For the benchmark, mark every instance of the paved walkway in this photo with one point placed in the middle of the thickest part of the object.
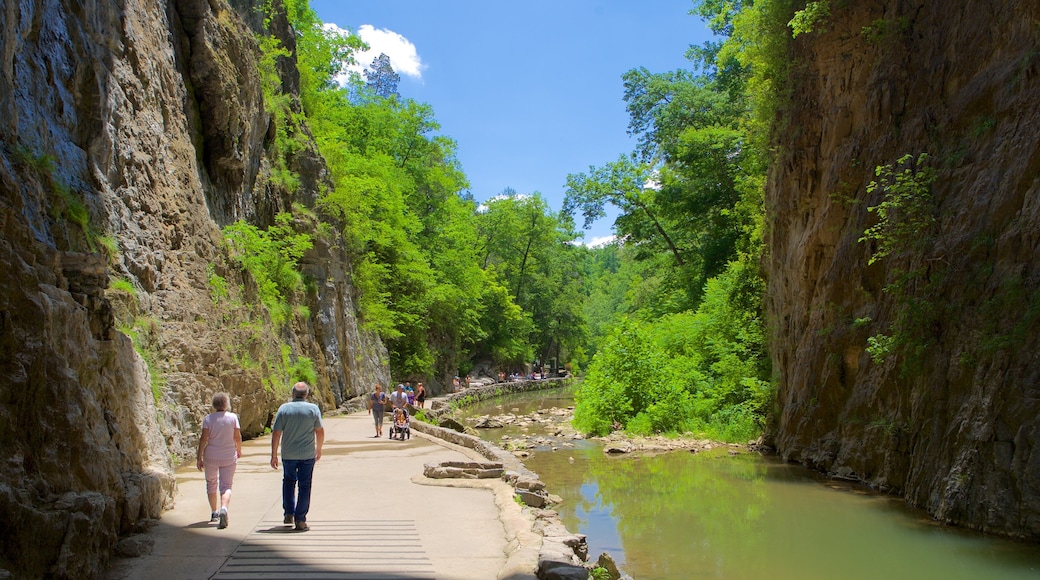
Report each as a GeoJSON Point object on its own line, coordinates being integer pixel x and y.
{"type": "Point", "coordinates": [372, 516]}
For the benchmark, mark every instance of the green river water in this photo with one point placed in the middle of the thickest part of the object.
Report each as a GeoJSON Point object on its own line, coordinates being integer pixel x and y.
{"type": "Point", "coordinates": [682, 515]}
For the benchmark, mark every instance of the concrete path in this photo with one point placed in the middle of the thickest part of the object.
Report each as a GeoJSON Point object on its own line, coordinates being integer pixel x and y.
{"type": "Point", "coordinates": [372, 516]}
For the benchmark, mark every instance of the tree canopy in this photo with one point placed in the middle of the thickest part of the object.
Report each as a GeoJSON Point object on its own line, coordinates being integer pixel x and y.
{"type": "Point", "coordinates": [667, 320]}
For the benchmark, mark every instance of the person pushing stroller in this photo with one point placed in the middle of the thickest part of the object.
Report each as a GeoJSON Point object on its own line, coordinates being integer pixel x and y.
{"type": "Point", "coordinates": [399, 401]}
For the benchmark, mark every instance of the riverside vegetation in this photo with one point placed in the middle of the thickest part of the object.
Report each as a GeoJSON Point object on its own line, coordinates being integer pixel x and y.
{"type": "Point", "coordinates": [668, 324]}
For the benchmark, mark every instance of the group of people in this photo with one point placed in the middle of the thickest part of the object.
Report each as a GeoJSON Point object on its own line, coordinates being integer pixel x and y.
{"type": "Point", "coordinates": [532, 376]}
{"type": "Point", "coordinates": [298, 432]}
{"type": "Point", "coordinates": [399, 401]}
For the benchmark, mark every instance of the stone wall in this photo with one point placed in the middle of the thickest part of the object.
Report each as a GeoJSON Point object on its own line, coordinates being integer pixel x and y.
{"type": "Point", "coordinates": [130, 134]}
{"type": "Point", "coordinates": [951, 419]}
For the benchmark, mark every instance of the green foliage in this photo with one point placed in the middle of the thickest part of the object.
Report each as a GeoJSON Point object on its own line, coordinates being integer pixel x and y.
{"type": "Point", "coordinates": [1001, 332]}
{"type": "Point", "coordinates": [904, 230]}
{"type": "Point", "coordinates": [42, 164]}
{"type": "Point", "coordinates": [879, 347]}
{"type": "Point", "coordinates": [424, 282]}
{"type": "Point", "coordinates": [885, 28]}
{"type": "Point", "coordinates": [810, 18]}
{"type": "Point", "coordinates": [109, 246]}
{"type": "Point", "coordinates": [218, 286]}
{"type": "Point", "coordinates": [462, 402]}
{"type": "Point", "coordinates": [123, 285]}
{"type": "Point", "coordinates": [271, 257]}
{"type": "Point", "coordinates": [527, 248]}
{"type": "Point", "coordinates": [73, 210]}
{"type": "Point", "coordinates": [690, 353]}
{"type": "Point", "coordinates": [65, 205]}
{"type": "Point", "coordinates": [906, 214]}
{"type": "Point", "coordinates": [757, 50]}
{"type": "Point", "coordinates": [608, 278]}
{"type": "Point", "coordinates": [982, 125]}
{"type": "Point", "coordinates": [599, 573]}
{"type": "Point", "coordinates": [144, 332]}
{"type": "Point", "coordinates": [413, 236]}
{"type": "Point", "coordinates": [300, 369]}
{"type": "Point", "coordinates": [703, 372]}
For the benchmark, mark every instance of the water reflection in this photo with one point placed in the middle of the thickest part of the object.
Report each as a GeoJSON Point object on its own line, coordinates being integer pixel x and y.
{"type": "Point", "coordinates": [717, 515]}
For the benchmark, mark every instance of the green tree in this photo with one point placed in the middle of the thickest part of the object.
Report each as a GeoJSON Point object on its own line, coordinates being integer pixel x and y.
{"type": "Point", "coordinates": [381, 78]}
{"type": "Point", "coordinates": [704, 372]}
{"type": "Point", "coordinates": [531, 249]}
{"type": "Point", "coordinates": [395, 188]}
{"type": "Point", "coordinates": [690, 223]}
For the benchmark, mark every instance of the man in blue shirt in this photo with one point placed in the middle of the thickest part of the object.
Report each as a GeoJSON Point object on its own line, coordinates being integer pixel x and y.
{"type": "Point", "coordinates": [298, 428]}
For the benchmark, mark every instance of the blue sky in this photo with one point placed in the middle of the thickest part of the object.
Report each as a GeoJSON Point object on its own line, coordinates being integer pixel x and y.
{"type": "Point", "coordinates": [531, 91]}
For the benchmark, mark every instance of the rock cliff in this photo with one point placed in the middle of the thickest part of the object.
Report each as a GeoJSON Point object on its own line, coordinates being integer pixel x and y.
{"type": "Point", "coordinates": [131, 133]}
{"type": "Point", "coordinates": [947, 412]}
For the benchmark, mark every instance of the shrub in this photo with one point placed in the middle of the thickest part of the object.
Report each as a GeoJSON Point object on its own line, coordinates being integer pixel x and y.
{"type": "Point", "coordinates": [124, 285]}
{"type": "Point", "coordinates": [271, 257]}
{"type": "Point", "coordinates": [702, 371]}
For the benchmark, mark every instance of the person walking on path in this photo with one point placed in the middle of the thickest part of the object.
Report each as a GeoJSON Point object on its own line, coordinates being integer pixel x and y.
{"type": "Point", "coordinates": [420, 396]}
{"type": "Point", "coordinates": [299, 429]}
{"type": "Point", "coordinates": [376, 406]}
{"type": "Point", "coordinates": [219, 449]}
{"type": "Point", "coordinates": [399, 399]}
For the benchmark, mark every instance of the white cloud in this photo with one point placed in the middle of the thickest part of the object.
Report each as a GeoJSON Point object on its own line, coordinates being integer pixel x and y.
{"type": "Point", "coordinates": [403, 55]}
{"type": "Point", "coordinates": [601, 241]}
{"type": "Point", "coordinates": [597, 242]}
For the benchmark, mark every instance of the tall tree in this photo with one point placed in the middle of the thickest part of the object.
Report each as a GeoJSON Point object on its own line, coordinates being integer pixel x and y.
{"type": "Point", "coordinates": [625, 184]}
{"type": "Point", "coordinates": [530, 248]}
{"type": "Point", "coordinates": [381, 78]}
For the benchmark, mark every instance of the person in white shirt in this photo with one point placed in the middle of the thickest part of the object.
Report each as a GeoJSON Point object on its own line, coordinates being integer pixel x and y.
{"type": "Point", "coordinates": [219, 449]}
{"type": "Point", "coordinates": [399, 398]}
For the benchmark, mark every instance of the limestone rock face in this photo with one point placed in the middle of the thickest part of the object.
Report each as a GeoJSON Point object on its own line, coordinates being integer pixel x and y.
{"type": "Point", "coordinates": [130, 133]}
{"type": "Point", "coordinates": [950, 418]}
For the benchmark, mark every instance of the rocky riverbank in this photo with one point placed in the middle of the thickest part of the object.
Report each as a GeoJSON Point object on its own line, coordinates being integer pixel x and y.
{"type": "Point", "coordinates": [563, 554]}
{"type": "Point", "coordinates": [552, 430]}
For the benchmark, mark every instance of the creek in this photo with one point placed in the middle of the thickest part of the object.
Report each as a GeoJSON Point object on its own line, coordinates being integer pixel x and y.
{"type": "Point", "coordinates": [720, 514]}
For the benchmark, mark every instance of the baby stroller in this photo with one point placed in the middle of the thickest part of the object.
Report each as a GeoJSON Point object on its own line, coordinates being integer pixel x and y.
{"type": "Point", "coordinates": [401, 425]}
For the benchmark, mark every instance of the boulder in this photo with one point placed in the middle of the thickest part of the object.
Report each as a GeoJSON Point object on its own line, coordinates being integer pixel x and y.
{"type": "Point", "coordinates": [135, 546]}
{"type": "Point", "coordinates": [617, 447]}
{"type": "Point", "coordinates": [463, 470]}
{"type": "Point", "coordinates": [530, 483]}
{"type": "Point", "coordinates": [606, 561]}
{"type": "Point", "coordinates": [452, 423]}
{"type": "Point", "coordinates": [488, 423]}
{"type": "Point", "coordinates": [531, 498]}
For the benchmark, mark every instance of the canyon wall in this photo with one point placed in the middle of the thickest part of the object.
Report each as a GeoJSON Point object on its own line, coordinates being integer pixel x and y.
{"type": "Point", "coordinates": [918, 373]}
{"type": "Point", "coordinates": [131, 134]}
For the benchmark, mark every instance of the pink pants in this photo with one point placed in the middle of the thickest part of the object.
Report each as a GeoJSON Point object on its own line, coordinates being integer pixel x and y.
{"type": "Point", "coordinates": [222, 471]}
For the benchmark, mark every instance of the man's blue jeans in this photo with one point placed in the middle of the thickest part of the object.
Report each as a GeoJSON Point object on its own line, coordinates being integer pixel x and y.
{"type": "Point", "coordinates": [293, 471]}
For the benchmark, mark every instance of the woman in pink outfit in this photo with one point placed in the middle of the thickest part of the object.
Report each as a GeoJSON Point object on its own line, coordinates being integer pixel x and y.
{"type": "Point", "coordinates": [219, 450]}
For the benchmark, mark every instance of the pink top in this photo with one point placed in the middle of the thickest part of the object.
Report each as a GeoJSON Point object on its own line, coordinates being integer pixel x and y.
{"type": "Point", "coordinates": [221, 445]}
